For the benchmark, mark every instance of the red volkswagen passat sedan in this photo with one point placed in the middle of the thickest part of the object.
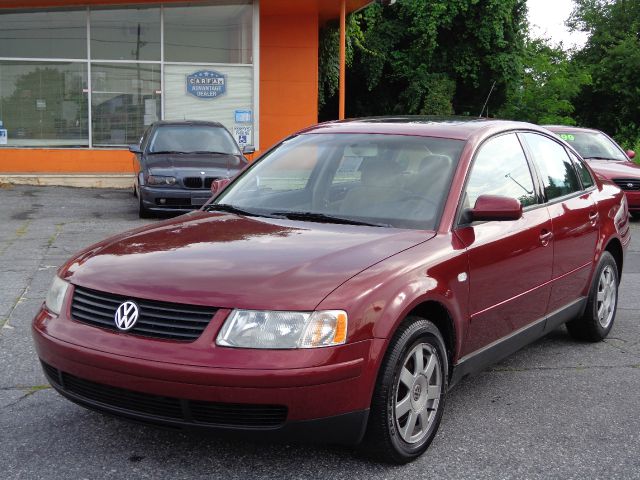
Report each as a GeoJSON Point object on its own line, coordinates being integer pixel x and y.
{"type": "Point", "coordinates": [607, 159]}
{"type": "Point", "coordinates": [340, 285]}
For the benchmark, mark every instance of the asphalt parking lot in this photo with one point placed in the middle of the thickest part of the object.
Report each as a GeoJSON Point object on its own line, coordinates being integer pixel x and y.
{"type": "Point", "coordinates": [557, 409]}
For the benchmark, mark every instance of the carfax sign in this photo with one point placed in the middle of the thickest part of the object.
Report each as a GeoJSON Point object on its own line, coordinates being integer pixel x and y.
{"type": "Point", "coordinates": [206, 84]}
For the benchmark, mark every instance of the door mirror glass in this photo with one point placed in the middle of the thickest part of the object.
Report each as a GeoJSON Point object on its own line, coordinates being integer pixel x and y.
{"type": "Point", "coordinates": [496, 207]}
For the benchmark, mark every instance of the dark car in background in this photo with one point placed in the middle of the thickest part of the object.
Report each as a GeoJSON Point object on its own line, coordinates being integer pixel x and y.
{"type": "Point", "coordinates": [607, 159]}
{"type": "Point", "coordinates": [176, 163]}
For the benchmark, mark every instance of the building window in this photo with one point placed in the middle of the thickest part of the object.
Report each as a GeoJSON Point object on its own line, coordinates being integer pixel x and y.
{"type": "Point", "coordinates": [44, 103]}
{"type": "Point", "coordinates": [55, 34]}
{"type": "Point", "coordinates": [209, 34]}
{"type": "Point", "coordinates": [100, 76]}
{"type": "Point", "coordinates": [125, 100]}
{"type": "Point", "coordinates": [125, 34]}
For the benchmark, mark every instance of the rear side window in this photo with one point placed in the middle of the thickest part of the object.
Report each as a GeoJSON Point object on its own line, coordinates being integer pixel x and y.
{"type": "Point", "coordinates": [585, 175]}
{"type": "Point", "coordinates": [501, 168]}
{"type": "Point", "coordinates": [558, 175]}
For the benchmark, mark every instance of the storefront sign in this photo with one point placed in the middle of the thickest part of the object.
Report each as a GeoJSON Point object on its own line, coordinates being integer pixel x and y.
{"type": "Point", "coordinates": [243, 116]}
{"type": "Point", "coordinates": [206, 84]}
{"type": "Point", "coordinates": [243, 135]}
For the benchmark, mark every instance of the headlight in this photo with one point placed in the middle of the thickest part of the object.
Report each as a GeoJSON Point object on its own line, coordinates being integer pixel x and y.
{"type": "Point", "coordinates": [283, 330]}
{"type": "Point", "coordinates": [160, 180]}
{"type": "Point", "coordinates": [56, 294]}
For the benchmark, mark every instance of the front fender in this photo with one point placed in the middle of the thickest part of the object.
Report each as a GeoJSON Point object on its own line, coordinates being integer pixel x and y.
{"type": "Point", "coordinates": [378, 299]}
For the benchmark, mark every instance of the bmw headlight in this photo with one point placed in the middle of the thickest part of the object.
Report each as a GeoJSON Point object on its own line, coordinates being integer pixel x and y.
{"type": "Point", "coordinates": [283, 330]}
{"type": "Point", "coordinates": [56, 294]}
{"type": "Point", "coordinates": [157, 180]}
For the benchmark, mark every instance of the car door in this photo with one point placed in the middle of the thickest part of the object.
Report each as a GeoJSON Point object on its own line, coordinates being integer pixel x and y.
{"type": "Point", "coordinates": [509, 261]}
{"type": "Point", "coordinates": [574, 216]}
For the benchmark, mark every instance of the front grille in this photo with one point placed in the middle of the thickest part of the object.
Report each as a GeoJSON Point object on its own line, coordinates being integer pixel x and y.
{"type": "Point", "coordinates": [186, 411]}
{"type": "Point", "coordinates": [192, 182]}
{"type": "Point", "coordinates": [156, 319]}
{"type": "Point", "coordinates": [627, 183]}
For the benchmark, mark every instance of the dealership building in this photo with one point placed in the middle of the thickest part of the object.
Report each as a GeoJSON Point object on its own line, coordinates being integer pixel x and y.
{"type": "Point", "coordinates": [81, 80]}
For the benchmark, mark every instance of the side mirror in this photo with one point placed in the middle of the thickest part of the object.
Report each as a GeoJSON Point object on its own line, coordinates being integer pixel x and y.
{"type": "Point", "coordinates": [495, 207]}
{"type": "Point", "coordinates": [631, 154]}
{"type": "Point", "coordinates": [248, 149]}
{"type": "Point", "coordinates": [135, 148]}
{"type": "Point", "coordinates": [218, 185]}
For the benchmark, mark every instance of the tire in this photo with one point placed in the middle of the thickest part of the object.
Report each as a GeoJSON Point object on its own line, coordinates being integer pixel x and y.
{"type": "Point", "coordinates": [143, 212]}
{"type": "Point", "coordinates": [600, 312]}
{"type": "Point", "coordinates": [402, 394]}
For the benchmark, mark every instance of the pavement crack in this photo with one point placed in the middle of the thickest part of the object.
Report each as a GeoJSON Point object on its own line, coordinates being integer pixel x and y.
{"type": "Point", "coordinates": [5, 323]}
{"type": "Point", "coordinates": [29, 392]}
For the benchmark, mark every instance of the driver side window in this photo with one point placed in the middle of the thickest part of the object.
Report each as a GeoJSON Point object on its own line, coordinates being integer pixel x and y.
{"type": "Point", "coordinates": [501, 168]}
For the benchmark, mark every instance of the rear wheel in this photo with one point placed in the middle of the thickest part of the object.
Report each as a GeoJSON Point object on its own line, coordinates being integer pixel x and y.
{"type": "Point", "coordinates": [600, 312]}
{"type": "Point", "coordinates": [410, 394]}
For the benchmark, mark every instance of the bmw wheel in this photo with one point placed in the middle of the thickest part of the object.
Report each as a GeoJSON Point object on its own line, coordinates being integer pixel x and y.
{"type": "Point", "coordinates": [410, 394]}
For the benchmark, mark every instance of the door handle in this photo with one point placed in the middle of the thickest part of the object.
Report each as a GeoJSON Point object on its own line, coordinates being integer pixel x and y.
{"type": "Point", "coordinates": [545, 237]}
{"type": "Point", "coordinates": [593, 217]}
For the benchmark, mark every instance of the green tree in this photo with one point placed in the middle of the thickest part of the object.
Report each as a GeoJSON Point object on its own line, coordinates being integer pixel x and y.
{"type": "Point", "coordinates": [612, 57]}
{"type": "Point", "coordinates": [550, 82]}
{"type": "Point", "coordinates": [427, 57]}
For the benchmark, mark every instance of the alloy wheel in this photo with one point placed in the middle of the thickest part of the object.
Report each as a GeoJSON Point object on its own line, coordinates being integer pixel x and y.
{"type": "Point", "coordinates": [606, 296]}
{"type": "Point", "coordinates": [417, 393]}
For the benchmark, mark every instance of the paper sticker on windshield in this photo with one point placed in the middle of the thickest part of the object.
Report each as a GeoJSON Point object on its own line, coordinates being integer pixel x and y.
{"type": "Point", "coordinates": [567, 137]}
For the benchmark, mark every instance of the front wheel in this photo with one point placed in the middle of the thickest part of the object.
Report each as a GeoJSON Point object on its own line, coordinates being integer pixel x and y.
{"type": "Point", "coordinates": [600, 312]}
{"type": "Point", "coordinates": [410, 394]}
{"type": "Point", "coordinates": [143, 212]}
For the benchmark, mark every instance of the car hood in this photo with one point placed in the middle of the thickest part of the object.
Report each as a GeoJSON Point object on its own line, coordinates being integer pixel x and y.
{"type": "Point", "coordinates": [225, 260]}
{"type": "Point", "coordinates": [172, 164]}
{"type": "Point", "coordinates": [611, 169]}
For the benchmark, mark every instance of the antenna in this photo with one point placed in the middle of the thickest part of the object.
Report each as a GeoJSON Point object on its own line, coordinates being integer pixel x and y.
{"type": "Point", "coordinates": [487, 101]}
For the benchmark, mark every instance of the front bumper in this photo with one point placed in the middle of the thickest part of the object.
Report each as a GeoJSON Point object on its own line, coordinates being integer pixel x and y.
{"type": "Point", "coordinates": [326, 401]}
{"type": "Point", "coordinates": [172, 199]}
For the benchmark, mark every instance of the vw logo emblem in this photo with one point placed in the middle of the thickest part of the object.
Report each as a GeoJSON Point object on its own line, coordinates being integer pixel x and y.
{"type": "Point", "coordinates": [629, 185]}
{"type": "Point", "coordinates": [417, 390]}
{"type": "Point", "coordinates": [126, 316]}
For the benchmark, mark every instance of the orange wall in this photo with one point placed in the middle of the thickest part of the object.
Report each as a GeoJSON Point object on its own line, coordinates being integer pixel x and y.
{"type": "Point", "coordinates": [27, 160]}
{"type": "Point", "coordinates": [288, 75]}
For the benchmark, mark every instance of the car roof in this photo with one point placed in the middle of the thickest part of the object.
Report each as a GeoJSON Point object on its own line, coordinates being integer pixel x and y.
{"type": "Point", "coordinates": [187, 123]}
{"type": "Point", "coordinates": [459, 128]}
{"type": "Point", "coordinates": [569, 128]}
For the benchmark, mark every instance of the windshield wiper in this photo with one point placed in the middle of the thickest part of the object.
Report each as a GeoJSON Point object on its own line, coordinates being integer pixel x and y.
{"type": "Point", "coordinates": [602, 158]}
{"type": "Point", "coordinates": [225, 207]}
{"type": "Point", "coordinates": [167, 152]}
{"type": "Point", "coordinates": [211, 152]}
{"type": "Point", "coordinates": [324, 218]}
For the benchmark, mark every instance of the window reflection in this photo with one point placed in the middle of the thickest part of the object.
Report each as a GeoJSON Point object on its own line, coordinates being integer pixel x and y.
{"type": "Point", "coordinates": [125, 34]}
{"type": "Point", "coordinates": [500, 168]}
{"type": "Point", "coordinates": [42, 103]}
{"type": "Point", "coordinates": [213, 33]}
{"type": "Point", "coordinates": [125, 100]}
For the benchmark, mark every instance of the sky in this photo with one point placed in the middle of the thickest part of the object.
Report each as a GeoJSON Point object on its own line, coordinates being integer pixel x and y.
{"type": "Point", "coordinates": [547, 19]}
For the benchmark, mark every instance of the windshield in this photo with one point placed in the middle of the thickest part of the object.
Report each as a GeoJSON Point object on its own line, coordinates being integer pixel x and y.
{"type": "Point", "coordinates": [593, 145]}
{"type": "Point", "coordinates": [382, 180]}
{"type": "Point", "coordinates": [192, 139]}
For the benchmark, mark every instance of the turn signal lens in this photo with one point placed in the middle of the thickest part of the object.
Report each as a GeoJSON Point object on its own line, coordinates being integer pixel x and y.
{"type": "Point", "coordinates": [325, 328]}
